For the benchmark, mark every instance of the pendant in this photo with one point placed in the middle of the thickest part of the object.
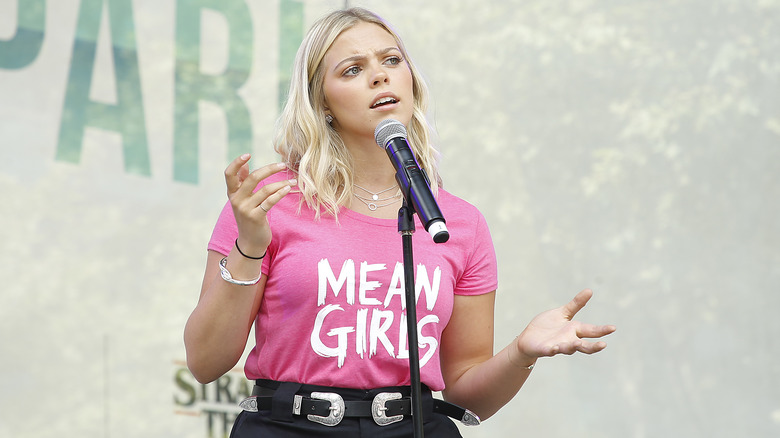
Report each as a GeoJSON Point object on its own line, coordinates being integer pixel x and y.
{"type": "Point", "coordinates": [371, 206]}
{"type": "Point", "coordinates": [375, 197]}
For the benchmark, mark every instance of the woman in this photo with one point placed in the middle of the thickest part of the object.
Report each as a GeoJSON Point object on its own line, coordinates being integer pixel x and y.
{"type": "Point", "coordinates": [308, 251]}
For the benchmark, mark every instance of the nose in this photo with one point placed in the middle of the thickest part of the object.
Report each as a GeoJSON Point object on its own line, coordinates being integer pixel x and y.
{"type": "Point", "coordinates": [379, 77]}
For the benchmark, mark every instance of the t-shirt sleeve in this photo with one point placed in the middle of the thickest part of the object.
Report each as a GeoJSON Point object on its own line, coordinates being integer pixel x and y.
{"type": "Point", "coordinates": [225, 231]}
{"type": "Point", "coordinates": [481, 273]}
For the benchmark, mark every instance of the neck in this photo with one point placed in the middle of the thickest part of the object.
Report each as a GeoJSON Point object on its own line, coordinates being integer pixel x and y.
{"type": "Point", "coordinates": [375, 178]}
{"type": "Point", "coordinates": [373, 169]}
{"type": "Point", "coordinates": [375, 191]}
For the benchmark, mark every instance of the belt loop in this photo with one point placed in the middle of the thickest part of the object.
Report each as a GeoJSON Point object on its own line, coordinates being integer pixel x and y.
{"type": "Point", "coordinates": [427, 400]}
{"type": "Point", "coordinates": [282, 402]}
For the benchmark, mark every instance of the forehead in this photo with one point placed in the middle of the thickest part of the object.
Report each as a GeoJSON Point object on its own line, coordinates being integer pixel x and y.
{"type": "Point", "coordinates": [361, 39]}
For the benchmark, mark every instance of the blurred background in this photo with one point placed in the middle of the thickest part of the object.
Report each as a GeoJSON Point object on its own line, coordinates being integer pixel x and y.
{"type": "Point", "coordinates": [632, 147]}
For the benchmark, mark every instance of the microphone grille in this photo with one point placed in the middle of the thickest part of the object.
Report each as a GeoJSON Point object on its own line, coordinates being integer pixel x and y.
{"type": "Point", "coordinates": [387, 130]}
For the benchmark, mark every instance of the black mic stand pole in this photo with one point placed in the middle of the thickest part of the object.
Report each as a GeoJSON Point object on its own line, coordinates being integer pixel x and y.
{"type": "Point", "coordinates": [406, 229]}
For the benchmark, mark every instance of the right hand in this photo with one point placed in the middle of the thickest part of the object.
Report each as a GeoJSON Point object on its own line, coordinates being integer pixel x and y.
{"type": "Point", "coordinates": [250, 208]}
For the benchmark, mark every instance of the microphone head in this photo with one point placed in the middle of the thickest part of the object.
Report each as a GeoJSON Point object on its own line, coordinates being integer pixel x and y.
{"type": "Point", "coordinates": [387, 130]}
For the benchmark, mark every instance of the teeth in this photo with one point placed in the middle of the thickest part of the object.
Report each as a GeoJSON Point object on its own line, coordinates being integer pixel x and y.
{"type": "Point", "coordinates": [383, 101]}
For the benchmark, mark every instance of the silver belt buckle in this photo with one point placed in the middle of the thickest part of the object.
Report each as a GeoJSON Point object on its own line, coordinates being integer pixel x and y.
{"type": "Point", "coordinates": [336, 409]}
{"type": "Point", "coordinates": [378, 408]}
{"type": "Point", "coordinates": [249, 404]}
{"type": "Point", "coordinates": [470, 418]}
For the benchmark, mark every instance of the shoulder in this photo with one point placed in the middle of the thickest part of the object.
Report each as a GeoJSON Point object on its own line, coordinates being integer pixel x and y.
{"type": "Point", "coordinates": [450, 203]}
{"type": "Point", "coordinates": [464, 220]}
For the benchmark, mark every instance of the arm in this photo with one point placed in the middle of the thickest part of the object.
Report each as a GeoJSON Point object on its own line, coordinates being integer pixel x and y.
{"type": "Point", "coordinates": [216, 332]}
{"type": "Point", "coordinates": [483, 382]}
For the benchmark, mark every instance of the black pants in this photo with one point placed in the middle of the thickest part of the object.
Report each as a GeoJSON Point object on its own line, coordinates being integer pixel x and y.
{"type": "Point", "coordinates": [282, 424]}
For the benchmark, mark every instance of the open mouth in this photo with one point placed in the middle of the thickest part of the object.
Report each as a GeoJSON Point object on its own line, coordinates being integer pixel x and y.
{"type": "Point", "coordinates": [384, 101]}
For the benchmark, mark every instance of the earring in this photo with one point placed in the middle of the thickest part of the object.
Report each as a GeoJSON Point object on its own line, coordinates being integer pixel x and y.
{"type": "Point", "coordinates": [329, 118]}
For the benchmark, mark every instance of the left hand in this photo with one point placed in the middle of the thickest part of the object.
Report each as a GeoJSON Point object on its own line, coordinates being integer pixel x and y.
{"type": "Point", "coordinates": [555, 332]}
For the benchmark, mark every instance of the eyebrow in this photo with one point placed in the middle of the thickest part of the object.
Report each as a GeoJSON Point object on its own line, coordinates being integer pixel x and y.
{"type": "Point", "coordinates": [361, 57]}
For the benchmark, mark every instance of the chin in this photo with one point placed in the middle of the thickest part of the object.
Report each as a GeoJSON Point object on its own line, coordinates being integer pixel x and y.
{"type": "Point", "coordinates": [403, 118]}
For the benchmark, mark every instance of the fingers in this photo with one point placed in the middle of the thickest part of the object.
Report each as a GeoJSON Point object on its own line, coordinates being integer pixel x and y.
{"type": "Point", "coordinates": [255, 206]}
{"type": "Point", "coordinates": [582, 330]}
{"type": "Point", "coordinates": [240, 181]}
{"type": "Point", "coordinates": [569, 348]}
{"type": "Point", "coordinates": [582, 347]}
{"type": "Point", "coordinates": [577, 303]}
{"type": "Point", "coordinates": [594, 331]}
{"type": "Point", "coordinates": [270, 194]}
{"type": "Point", "coordinates": [555, 332]}
{"type": "Point", "coordinates": [236, 172]}
{"type": "Point", "coordinates": [251, 201]}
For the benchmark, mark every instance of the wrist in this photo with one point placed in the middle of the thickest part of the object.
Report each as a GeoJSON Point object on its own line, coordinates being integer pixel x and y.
{"type": "Point", "coordinates": [250, 252]}
{"type": "Point", "coordinates": [519, 359]}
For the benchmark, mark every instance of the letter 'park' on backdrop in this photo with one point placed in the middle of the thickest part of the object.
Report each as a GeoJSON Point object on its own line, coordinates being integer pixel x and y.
{"type": "Point", "coordinates": [126, 117]}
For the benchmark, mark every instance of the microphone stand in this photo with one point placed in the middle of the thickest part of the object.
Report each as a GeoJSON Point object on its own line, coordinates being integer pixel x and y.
{"type": "Point", "coordinates": [406, 229]}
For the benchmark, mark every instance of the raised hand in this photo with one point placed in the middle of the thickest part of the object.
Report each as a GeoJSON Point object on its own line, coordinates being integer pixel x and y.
{"type": "Point", "coordinates": [249, 206]}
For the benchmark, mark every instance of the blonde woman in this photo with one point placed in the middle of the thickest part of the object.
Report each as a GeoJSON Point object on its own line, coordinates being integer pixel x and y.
{"type": "Point", "coordinates": [307, 250]}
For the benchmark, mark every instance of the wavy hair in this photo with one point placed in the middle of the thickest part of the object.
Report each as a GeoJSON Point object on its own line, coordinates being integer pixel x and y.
{"type": "Point", "coordinates": [310, 146]}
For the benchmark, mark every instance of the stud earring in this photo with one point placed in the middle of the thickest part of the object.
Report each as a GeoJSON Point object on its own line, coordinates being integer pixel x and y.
{"type": "Point", "coordinates": [329, 118]}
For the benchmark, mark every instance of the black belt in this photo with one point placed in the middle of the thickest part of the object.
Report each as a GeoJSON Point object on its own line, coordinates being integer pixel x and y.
{"type": "Point", "coordinates": [329, 408]}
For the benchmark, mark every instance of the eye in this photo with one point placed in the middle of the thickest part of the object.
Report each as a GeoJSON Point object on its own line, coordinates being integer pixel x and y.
{"type": "Point", "coordinates": [351, 71]}
{"type": "Point", "coordinates": [393, 60]}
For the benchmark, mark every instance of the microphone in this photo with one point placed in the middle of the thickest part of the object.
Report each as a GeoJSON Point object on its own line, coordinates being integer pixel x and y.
{"type": "Point", "coordinates": [391, 135]}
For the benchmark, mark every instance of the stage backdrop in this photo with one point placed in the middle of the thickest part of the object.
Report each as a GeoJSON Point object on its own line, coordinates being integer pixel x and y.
{"type": "Point", "coordinates": [628, 146]}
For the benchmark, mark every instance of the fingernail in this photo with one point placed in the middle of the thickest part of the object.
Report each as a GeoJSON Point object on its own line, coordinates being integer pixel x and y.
{"type": "Point", "coordinates": [293, 182]}
{"type": "Point", "coordinates": [245, 157]}
{"type": "Point", "coordinates": [281, 165]}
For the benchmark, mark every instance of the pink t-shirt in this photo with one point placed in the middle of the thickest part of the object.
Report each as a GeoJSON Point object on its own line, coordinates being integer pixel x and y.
{"type": "Point", "coordinates": [333, 312]}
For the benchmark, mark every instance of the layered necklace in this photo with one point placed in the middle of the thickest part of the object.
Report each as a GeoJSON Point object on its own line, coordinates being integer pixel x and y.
{"type": "Point", "coordinates": [373, 200]}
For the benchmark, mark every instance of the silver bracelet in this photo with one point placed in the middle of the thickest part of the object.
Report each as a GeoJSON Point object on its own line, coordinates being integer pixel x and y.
{"type": "Point", "coordinates": [229, 278]}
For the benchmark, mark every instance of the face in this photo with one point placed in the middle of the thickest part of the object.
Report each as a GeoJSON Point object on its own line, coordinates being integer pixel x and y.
{"type": "Point", "coordinates": [366, 81]}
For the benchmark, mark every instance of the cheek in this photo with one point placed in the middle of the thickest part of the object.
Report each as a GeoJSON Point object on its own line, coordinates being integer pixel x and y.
{"type": "Point", "coordinates": [339, 97]}
{"type": "Point", "coordinates": [406, 80]}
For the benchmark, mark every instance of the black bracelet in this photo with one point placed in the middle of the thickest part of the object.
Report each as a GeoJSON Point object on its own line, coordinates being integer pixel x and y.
{"type": "Point", "coordinates": [253, 258]}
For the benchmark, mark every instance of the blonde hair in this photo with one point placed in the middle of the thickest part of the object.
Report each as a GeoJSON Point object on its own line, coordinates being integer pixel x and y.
{"type": "Point", "coordinates": [308, 144]}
